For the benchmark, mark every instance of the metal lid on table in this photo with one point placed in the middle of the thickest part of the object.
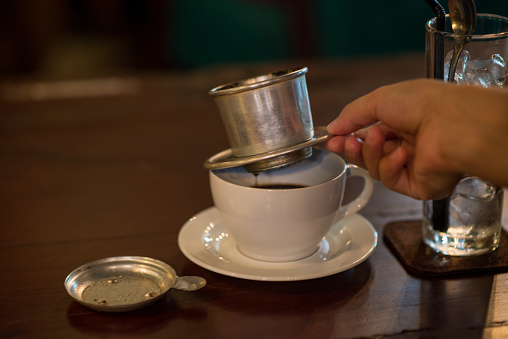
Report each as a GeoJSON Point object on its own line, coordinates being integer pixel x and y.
{"type": "Point", "coordinates": [126, 283]}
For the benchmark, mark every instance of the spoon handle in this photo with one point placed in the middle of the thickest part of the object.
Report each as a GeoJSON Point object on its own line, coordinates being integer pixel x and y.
{"type": "Point", "coordinates": [439, 43]}
{"type": "Point", "coordinates": [458, 47]}
{"type": "Point", "coordinates": [189, 283]}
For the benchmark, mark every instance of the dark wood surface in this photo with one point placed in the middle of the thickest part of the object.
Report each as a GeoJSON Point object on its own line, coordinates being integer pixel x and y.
{"type": "Point", "coordinates": [113, 166]}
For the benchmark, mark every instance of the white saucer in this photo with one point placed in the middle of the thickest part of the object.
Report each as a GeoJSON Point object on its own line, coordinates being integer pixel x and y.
{"type": "Point", "coordinates": [204, 241]}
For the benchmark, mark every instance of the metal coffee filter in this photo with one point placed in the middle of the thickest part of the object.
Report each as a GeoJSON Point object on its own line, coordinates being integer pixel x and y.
{"type": "Point", "coordinates": [268, 121]}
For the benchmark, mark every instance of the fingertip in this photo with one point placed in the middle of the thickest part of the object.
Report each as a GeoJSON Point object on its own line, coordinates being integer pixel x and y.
{"type": "Point", "coordinates": [396, 163]}
{"type": "Point", "coordinates": [332, 127]}
{"type": "Point", "coordinates": [393, 171]}
{"type": "Point", "coordinates": [353, 145]}
{"type": "Point", "coordinates": [399, 156]}
{"type": "Point", "coordinates": [353, 151]}
{"type": "Point", "coordinates": [335, 144]}
{"type": "Point", "coordinates": [374, 135]}
{"type": "Point", "coordinates": [393, 166]}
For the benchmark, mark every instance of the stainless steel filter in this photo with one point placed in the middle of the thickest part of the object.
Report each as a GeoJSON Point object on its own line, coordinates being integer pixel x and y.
{"type": "Point", "coordinates": [266, 114]}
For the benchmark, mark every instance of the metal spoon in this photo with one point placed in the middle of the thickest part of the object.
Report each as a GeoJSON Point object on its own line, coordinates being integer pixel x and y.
{"type": "Point", "coordinates": [463, 19]}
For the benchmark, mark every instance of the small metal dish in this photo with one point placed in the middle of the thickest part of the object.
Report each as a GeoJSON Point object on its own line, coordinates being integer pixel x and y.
{"type": "Point", "coordinates": [120, 284]}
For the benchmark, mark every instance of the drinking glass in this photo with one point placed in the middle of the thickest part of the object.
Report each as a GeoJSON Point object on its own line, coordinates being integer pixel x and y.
{"type": "Point", "coordinates": [468, 222]}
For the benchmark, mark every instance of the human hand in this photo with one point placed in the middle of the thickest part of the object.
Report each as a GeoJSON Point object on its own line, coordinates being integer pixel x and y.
{"type": "Point", "coordinates": [423, 135]}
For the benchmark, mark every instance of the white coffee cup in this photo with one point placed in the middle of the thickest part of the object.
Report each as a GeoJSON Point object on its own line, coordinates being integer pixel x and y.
{"type": "Point", "coordinates": [286, 224]}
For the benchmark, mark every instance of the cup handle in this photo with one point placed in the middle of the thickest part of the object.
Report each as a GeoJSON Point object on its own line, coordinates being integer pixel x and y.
{"type": "Point", "coordinates": [363, 198]}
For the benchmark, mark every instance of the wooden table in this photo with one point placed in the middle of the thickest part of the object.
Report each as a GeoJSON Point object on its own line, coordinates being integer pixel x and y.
{"type": "Point", "coordinates": [94, 168]}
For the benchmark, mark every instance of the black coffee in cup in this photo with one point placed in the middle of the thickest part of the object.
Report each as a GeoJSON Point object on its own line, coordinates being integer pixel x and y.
{"type": "Point", "coordinates": [279, 186]}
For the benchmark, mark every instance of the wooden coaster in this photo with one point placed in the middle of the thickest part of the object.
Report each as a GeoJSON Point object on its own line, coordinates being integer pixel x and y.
{"type": "Point", "coordinates": [405, 241]}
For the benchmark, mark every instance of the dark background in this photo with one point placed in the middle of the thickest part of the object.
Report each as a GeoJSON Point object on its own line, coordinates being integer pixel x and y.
{"type": "Point", "coordinates": [75, 37]}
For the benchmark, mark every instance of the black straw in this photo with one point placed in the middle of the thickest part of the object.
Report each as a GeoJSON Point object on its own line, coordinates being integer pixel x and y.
{"type": "Point", "coordinates": [440, 208]}
{"type": "Point", "coordinates": [440, 14]}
